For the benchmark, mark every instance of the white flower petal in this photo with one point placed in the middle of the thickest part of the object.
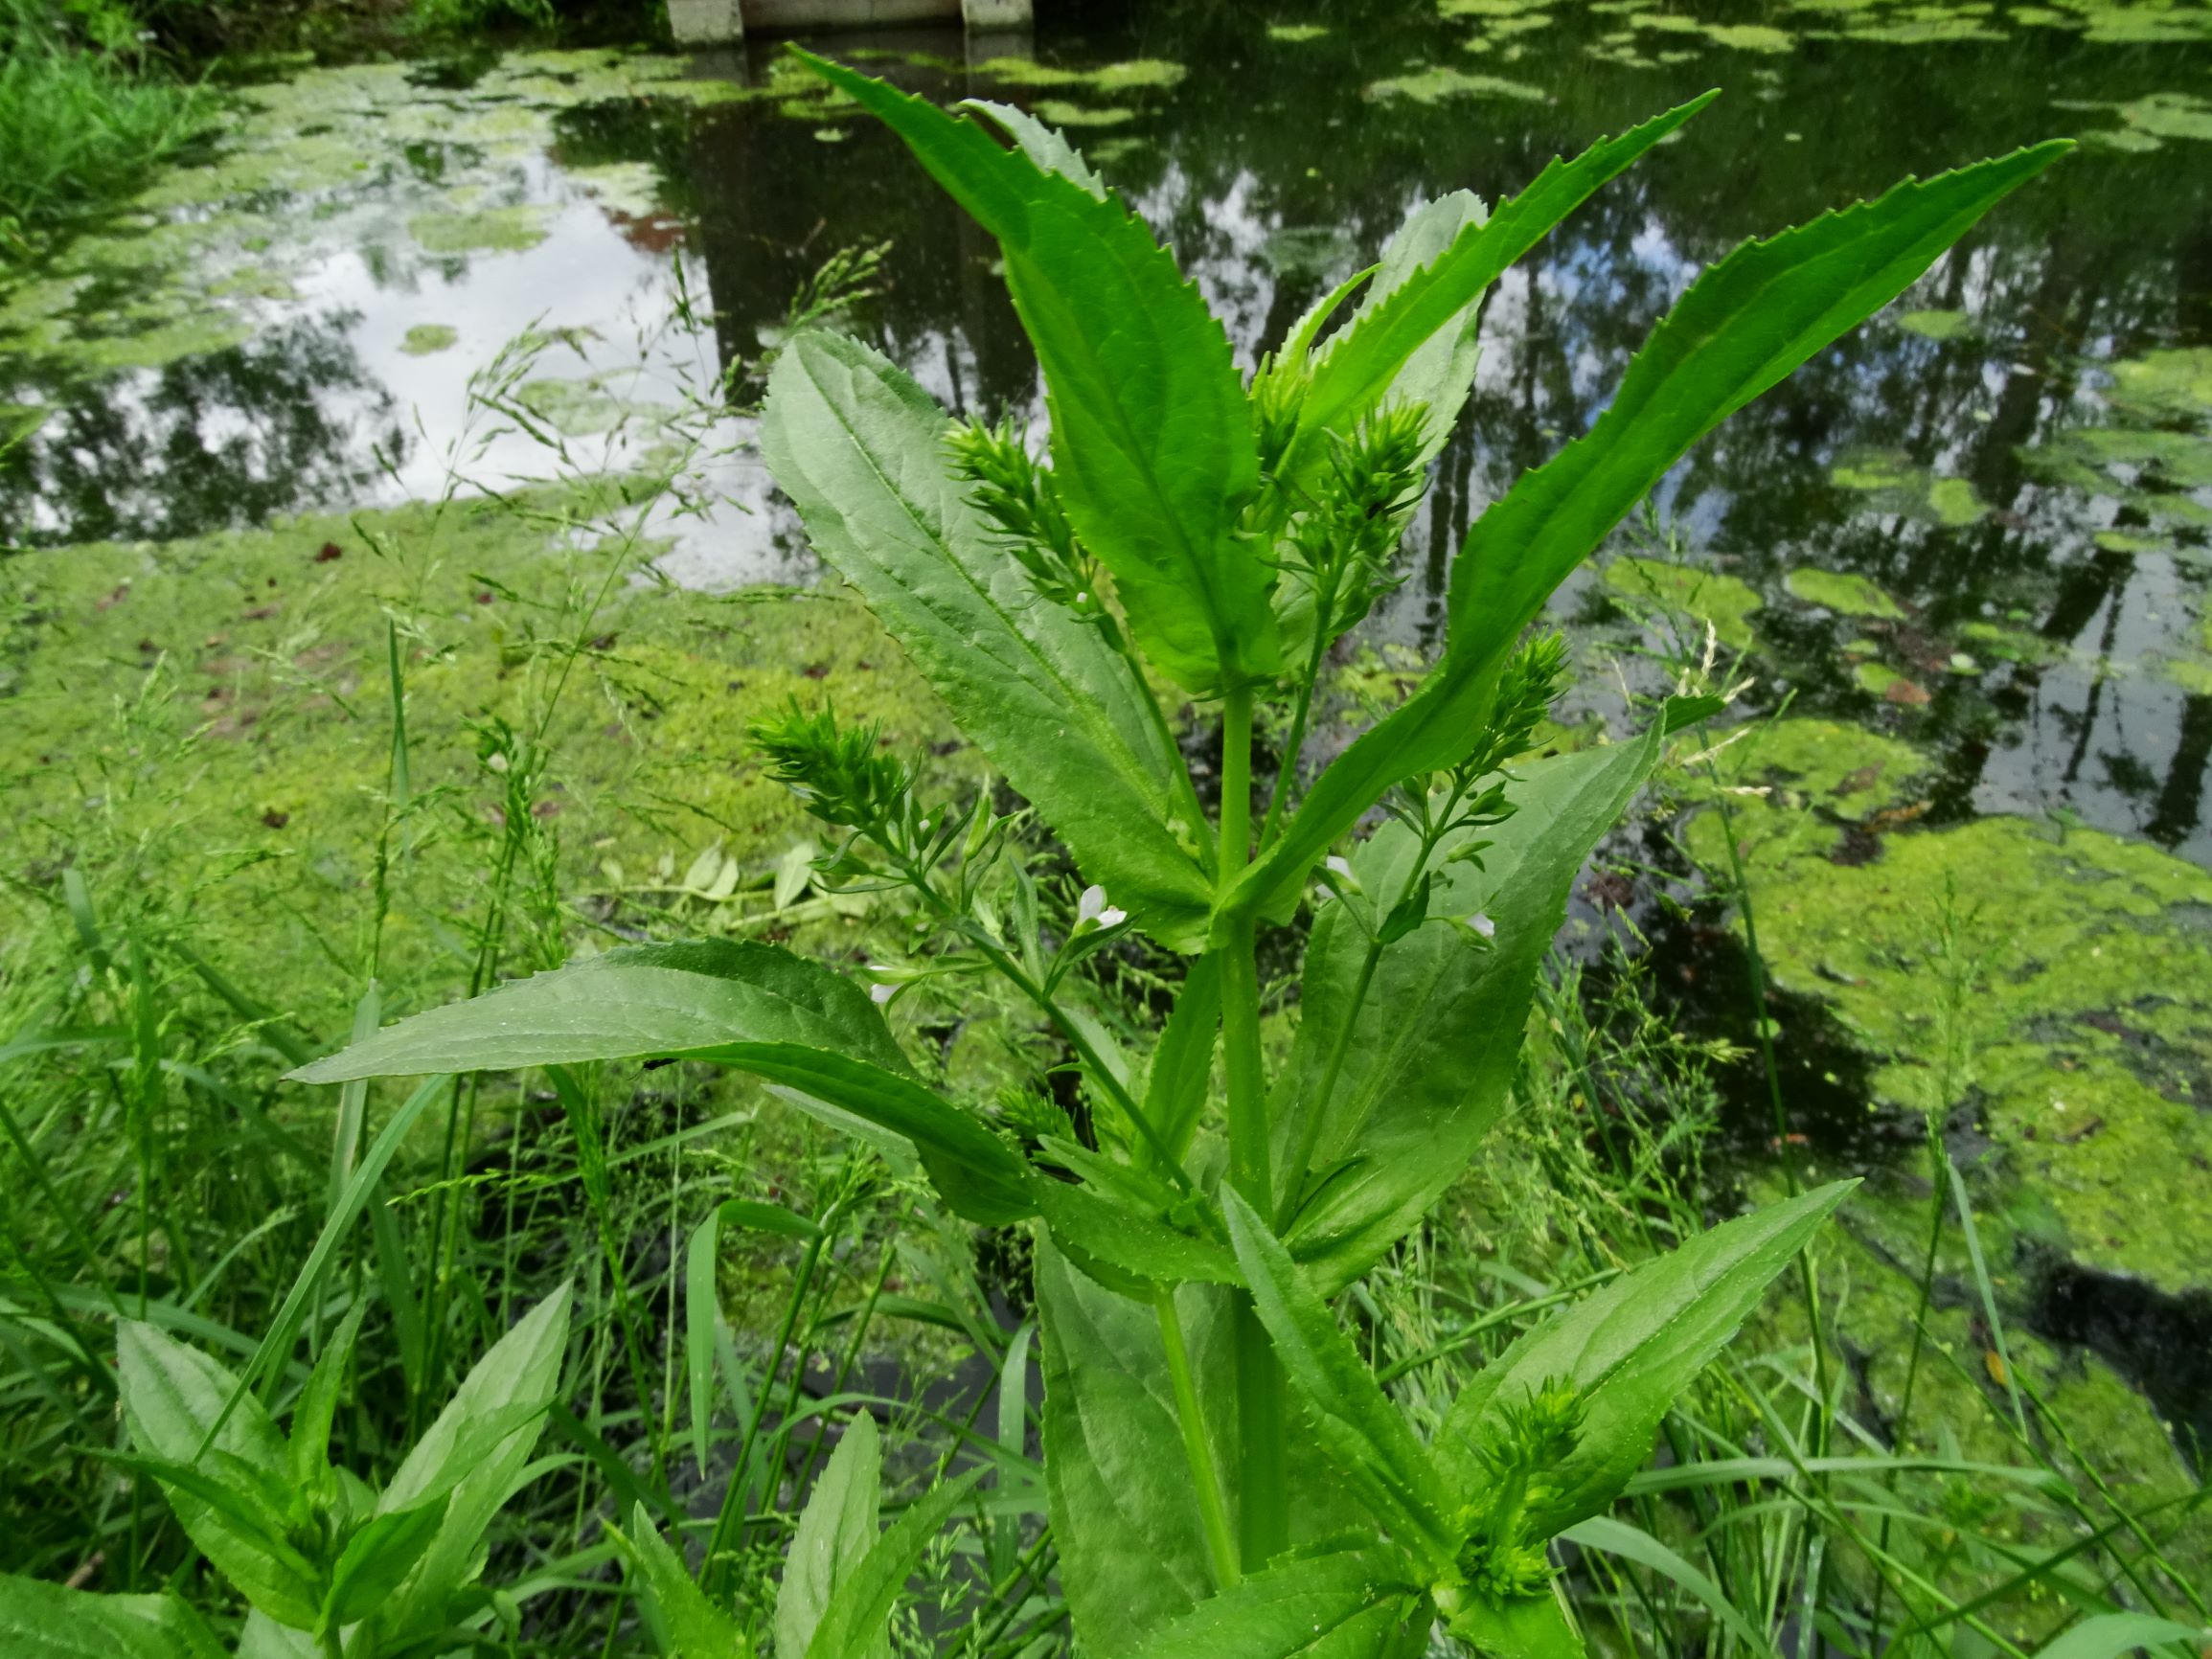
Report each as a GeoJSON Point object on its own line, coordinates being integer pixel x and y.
{"type": "Point", "coordinates": [1483, 925]}
{"type": "Point", "coordinates": [1088, 908]}
{"type": "Point", "coordinates": [1110, 916]}
{"type": "Point", "coordinates": [882, 994]}
{"type": "Point", "coordinates": [1339, 864]}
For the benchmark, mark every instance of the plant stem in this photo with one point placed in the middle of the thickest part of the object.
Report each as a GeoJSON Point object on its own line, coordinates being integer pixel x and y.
{"type": "Point", "coordinates": [1264, 1494]}
{"type": "Point", "coordinates": [1205, 1473]}
{"type": "Point", "coordinates": [1235, 784]}
{"type": "Point", "coordinates": [1263, 1488]}
{"type": "Point", "coordinates": [1287, 773]}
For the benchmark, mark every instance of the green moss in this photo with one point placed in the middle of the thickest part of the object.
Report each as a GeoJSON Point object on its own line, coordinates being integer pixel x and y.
{"type": "Point", "coordinates": [427, 339]}
{"type": "Point", "coordinates": [1843, 592]}
{"type": "Point", "coordinates": [1295, 33]}
{"type": "Point", "coordinates": [1705, 596]}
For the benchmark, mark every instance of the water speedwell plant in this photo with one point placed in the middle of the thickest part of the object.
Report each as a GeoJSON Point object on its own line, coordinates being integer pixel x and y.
{"type": "Point", "coordinates": [1227, 1474]}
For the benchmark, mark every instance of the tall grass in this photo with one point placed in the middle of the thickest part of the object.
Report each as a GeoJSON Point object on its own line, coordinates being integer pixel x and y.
{"type": "Point", "coordinates": [81, 123]}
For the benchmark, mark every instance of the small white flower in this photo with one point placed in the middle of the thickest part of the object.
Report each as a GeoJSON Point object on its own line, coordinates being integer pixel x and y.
{"type": "Point", "coordinates": [1483, 925]}
{"type": "Point", "coordinates": [882, 994]}
{"type": "Point", "coordinates": [1338, 864]}
{"type": "Point", "coordinates": [1092, 902]}
{"type": "Point", "coordinates": [1112, 917]}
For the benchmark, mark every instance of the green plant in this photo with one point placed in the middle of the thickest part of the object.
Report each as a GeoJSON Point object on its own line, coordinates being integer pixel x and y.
{"type": "Point", "coordinates": [315, 1550]}
{"type": "Point", "coordinates": [1190, 1248]}
{"type": "Point", "coordinates": [81, 121]}
{"type": "Point", "coordinates": [1187, 1259]}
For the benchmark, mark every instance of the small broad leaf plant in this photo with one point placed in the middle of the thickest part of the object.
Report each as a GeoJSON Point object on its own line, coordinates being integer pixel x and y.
{"type": "Point", "coordinates": [330, 1567]}
{"type": "Point", "coordinates": [1226, 1474]}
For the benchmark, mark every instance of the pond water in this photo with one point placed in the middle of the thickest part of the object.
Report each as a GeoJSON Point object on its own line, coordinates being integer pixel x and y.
{"type": "Point", "coordinates": [1966, 547]}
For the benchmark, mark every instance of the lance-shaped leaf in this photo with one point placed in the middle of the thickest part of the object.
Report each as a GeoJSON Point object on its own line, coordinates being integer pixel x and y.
{"type": "Point", "coordinates": [1362, 1429]}
{"type": "Point", "coordinates": [1411, 310]}
{"type": "Point", "coordinates": [835, 1532]}
{"type": "Point", "coordinates": [753, 1007]}
{"type": "Point", "coordinates": [1347, 1605]}
{"type": "Point", "coordinates": [1440, 372]}
{"type": "Point", "coordinates": [172, 1396]}
{"type": "Point", "coordinates": [1125, 1249]}
{"type": "Point", "coordinates": [42, 1621]}
{"type": "Point", "coordinates": [1422, 1063]}
{"type": "Point", "coordinates": [855, 1623]}
{"type": "Point", "coordinates": [860, 447]}
{"type": "Point", "coordinates": [1181, 1073]}
{"type": "Point", "coordinates": [1118, 1482]}
{"type": "Point", "coordinates": [685, 1623]}
{"type": "Point", "coordinates": [1631, 1350]}
{"type": "Point", "coordinates": [1151, 436]}
{"type": "Point", "coordinates": [1046, 145]}
{"type": "Point", "coordinates": [470, 1453]}
{"type": "Point", "coordinates": [1741, 327]}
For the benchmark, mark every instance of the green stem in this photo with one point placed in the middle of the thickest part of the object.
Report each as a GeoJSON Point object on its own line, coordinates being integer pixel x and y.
{"type": "Point", "coordinates": [1094, 1063]}
{"type": "Point", "coordinates": [730, 1522]}
{"type": "Point", "coordinates": [1205, 1473]}
{"type": "Point", "coordinates": [1235, 784]}
{"type": "Point", "coordinates": [1287, 773]}
{"type": "Point", "coordinates": [1264, 1484]}
{"type": "Point", "coordinates": [1264, 1494]}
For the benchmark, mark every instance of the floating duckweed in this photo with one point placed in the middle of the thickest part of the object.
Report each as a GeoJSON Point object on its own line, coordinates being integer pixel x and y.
{"type": "Point", "coordinates": [2166, 384]}
{"type": "Point", "coordinates": [2011, 645]}
{"type": "Point", "coordinates": [1435, 85]}
{"type": "Point", "coordinates": [2088, 1094]}
{"type": "Point", "coordinates": [1063, 114]}
{"type": "Point", "coordinates": [1953, 501]}
{"type": "Point", "coordinates": [632, 189]}
{"type": "Point", "coordinates": [495, 229]}
{"type": "Point", "coordinates": [1841, 591]}
{"type": "Point", "coordinates": [1936, 325]}
{"type": "Point", "coordinates": [1137, 74]}
{"type": "Point", "coordinates": [2169, 115]}
{"type": "Point", "coordinates": [425, 339]}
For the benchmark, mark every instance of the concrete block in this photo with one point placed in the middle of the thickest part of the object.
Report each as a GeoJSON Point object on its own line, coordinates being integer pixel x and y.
{"type": "Point", "coordinates": [706, 22]}
{"type": "Point", "coordinates": [995, 14]}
